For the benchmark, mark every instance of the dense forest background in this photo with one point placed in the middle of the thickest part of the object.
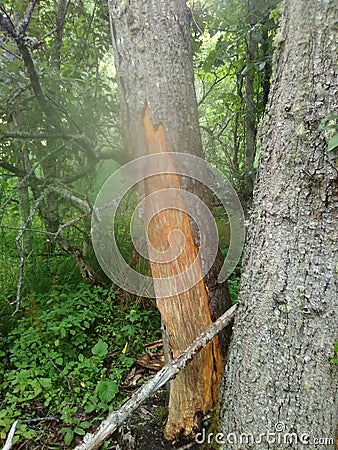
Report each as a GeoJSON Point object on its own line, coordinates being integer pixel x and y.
{"type": "Point", "coordinates": [68, 337]}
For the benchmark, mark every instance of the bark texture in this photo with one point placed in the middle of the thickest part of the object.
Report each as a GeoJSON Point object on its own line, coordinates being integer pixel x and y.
{"type": "Point", "coordinates": [279, 369]}
{"type": "Point", "coordinates": [153, 61]}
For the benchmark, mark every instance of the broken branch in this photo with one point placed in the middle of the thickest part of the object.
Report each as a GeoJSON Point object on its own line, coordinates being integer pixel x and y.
{"type": "Point", "coordinates": [9, 440]}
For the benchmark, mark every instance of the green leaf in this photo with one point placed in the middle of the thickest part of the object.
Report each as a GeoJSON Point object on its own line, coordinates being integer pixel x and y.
{"type": "Point", "coordinates": [100, 349]}
{"type": "Point", "coordinates": [89, 407]}
{"type": "Point", "coordinates": [106, 390]}
{"type": "Point", "coordinates": [80, 431]}
{"type": "Point", "coordinates": [332, 126]}
{"type": "Point", "coordinates": [333, 142]}
{"type": "Point", "coordinates": [324, 121]}
{"type": "Point", "coordinates": [69, 436]}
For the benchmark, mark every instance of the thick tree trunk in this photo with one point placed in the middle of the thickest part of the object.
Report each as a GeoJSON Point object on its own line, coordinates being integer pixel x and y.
{"type": "Point", "coordinates": [279, 375]}
{"type": "Point", "coordinates": [154, 70]}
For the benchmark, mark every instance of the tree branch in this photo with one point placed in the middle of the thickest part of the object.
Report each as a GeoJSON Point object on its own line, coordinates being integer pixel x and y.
{"type": "Point", "coordinates": [76, 176]}
{"type": "Point", "coordinates": [6, 24]}
{"type": "Point", "coordinates": [11, 52]}
{"type": "Point", "coordinates": [7, 166]}
{"type": "Point", "coordinates": [22, 28]}
{"type": "Point", "coordinates": [205, 94]}
{"type": "Point", "coordinates": [40, 136]}
{"type": "Point", "coordinates": [35, 82]}
{"type": "Point", "coordinates": [31, 173]}
{"type": "Point", "coordinates": [60, 21]}
{"type": "Point", "coordinates": [67, 194]}
{"type": "Point", "coordinates": [116, 418]}
{"type": "Point", "coordinates": [68, 224]}
{"type": "Point", "coordinates": [18, 35]}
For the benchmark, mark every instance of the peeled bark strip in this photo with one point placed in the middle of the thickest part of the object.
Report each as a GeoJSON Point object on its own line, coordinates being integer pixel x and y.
{"type": "Point", "coordinates": [279, 369]}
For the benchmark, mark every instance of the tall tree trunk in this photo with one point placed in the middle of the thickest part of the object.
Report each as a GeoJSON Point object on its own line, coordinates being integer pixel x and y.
{"type": "Point", "coordinates": [159, 113]}
{"type": "Point", "coordinates": [279, 369]}
{"type": "Point", "coordinates": [250, 111]}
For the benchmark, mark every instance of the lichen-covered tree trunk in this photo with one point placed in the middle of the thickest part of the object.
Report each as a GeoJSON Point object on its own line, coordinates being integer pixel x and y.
{"type": "Point", "coordinates": [153, 61]}
{"type": "Point", "coordinates": [279, 376]}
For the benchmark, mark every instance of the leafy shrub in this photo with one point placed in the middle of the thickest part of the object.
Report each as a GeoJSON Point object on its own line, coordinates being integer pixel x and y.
{"type": "Point", "coordinates": [335, 359]}
{"type": "Point", "coordinates": [68, 355]}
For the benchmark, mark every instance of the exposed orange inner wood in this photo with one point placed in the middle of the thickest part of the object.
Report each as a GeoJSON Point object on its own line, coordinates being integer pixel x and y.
{"type": "Point", "coordinates": [186, 315]}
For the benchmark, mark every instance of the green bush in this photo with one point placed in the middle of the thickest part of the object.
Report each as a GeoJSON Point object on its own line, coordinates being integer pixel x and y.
{"type": "Point", "coordinates": [67, 354]}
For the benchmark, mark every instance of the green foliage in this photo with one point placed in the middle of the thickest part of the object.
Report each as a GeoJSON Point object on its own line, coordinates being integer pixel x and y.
{"type": "Point", "coordinates": [106, 390]}
{"type": "Point", "coordinates": [234, 280]}
{"type": "Point", "coordinates": [335, 359]}
{"type": "Point", "coordinates": [68, 353]}
{"type": "Point", "coordinates": [222, 34]}
{"type": "Point", "coordinates": [331, 130]}
{"type": "Point", "coordinates": [233, 284]}
{"type": "Point", "coordinates": [77, 83]}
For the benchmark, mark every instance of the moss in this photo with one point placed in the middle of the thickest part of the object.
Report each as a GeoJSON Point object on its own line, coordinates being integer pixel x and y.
{"type": "Point", "coordinates": [278, 39]}
{"type": "Point", "coordinates": [161, 413]}
{"type": "Point", "coordinates": [214, 428]}
{"type": "Point", "coordinates": [319, 89]}
{"type": "Point", "coordinates": [300, 131]}
{"type": "Point", "coordinates": [124, 5]}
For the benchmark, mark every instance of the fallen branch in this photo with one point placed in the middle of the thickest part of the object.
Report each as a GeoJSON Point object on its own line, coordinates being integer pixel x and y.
{"type": "Point", "coordinates": [115, 419]}
{"type": "Point", "coordinates": [40, 136]}
{"type": "Point", "coordinates": [9, 440]}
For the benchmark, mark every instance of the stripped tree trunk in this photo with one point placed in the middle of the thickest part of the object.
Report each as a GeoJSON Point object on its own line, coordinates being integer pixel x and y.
{"type": "Point", "coordinates": [279, 376]}
{"type": "Point", "coordinates": [159, 113]}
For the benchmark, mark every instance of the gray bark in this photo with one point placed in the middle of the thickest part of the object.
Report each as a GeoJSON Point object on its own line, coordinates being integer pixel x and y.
{"type": "Point", "coordinates": [153, 59]}
{"type": "Point", "coordinates": [279, 369]}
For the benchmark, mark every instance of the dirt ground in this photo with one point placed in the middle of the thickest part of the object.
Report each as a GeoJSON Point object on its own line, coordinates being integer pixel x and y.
{"type": "Point", "coordinates": [144, 429]}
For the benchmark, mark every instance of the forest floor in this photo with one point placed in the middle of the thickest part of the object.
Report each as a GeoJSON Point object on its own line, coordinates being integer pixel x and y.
{"type": "Point", "coordinates": [143, 430]}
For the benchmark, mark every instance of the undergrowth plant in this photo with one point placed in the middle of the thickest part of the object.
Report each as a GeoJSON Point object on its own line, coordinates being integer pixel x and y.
{"type": "Point", "coordinates": [66, 357]}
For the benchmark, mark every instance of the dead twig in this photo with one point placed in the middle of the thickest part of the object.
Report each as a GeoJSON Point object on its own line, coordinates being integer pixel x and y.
{"type": "Point", "coordinates": [9, 440]}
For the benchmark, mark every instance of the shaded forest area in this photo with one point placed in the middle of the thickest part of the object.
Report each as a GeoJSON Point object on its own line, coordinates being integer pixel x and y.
{"type": "Point", "coordinates": [73, 345]}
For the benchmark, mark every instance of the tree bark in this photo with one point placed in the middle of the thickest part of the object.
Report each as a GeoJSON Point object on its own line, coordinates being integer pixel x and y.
{"type": "Point", "coordinates": [279, 369]}
{"type": "Point", "coordinates": [153, 60]}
